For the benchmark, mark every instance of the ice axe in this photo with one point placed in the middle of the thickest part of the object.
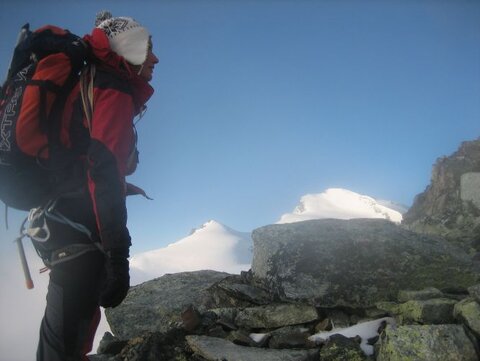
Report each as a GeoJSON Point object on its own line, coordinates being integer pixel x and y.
{"type": "Point", "coordinates": [23, 260]}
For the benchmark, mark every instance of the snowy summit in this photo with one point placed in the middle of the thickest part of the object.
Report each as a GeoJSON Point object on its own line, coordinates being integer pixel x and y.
{"type": "Point", "coordinates": [341, 204]}
{"type": "Point", "coordinates": [211, 246]}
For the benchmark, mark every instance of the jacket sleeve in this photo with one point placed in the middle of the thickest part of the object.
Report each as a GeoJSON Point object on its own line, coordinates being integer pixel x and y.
{"type": "Point", "coordinates": [111, 143]}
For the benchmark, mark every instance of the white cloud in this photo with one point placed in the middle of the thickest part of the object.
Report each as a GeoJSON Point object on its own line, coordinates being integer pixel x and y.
{"type": "Point", "coordinates": [339, 203]}
{"type": "Point", "coordinates": [21, 310]}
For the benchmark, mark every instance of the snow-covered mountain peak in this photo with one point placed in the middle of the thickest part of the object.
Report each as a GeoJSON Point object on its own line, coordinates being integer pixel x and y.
{"type": "Point", "coordinates": [209, 226]}
{"type": "Point", "coordinates": [211, 223]}
{"type": "Point", "coordinates": [339, 203]}
{"type": "Point", "coordinates": [211, 246]}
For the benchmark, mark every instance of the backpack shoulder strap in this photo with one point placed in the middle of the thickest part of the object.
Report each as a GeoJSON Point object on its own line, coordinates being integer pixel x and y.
{"type": "Point", "coordinates": [86, 93]}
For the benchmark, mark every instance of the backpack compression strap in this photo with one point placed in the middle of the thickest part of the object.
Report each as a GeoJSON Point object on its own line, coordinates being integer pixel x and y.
{"type": "Point", "coordinates": [86, 92]}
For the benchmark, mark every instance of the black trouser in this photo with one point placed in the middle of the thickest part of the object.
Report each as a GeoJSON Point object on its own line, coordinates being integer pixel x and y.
{"type": "Point", "coordinates": [72, 313]}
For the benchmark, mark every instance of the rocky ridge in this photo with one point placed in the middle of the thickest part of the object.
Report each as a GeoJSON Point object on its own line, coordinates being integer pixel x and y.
{"type": "Point", "coordinates": [450, 205]}
{"type": "Point", "coordinates": [233, 320]}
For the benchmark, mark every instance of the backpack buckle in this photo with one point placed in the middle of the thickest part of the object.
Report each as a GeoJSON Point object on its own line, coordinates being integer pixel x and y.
{"type": "Point", "coordinates": [37, 228]}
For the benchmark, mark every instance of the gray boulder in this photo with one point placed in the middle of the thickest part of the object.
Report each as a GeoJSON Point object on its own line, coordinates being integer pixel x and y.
{"type": "Point", "coordinates": [273, 316]}
{"type": "Point", "coordinates": [214, 349]}
{"type": "Point", "coordinates": [293, 339]}
{"type": "Point", "coordinates": [427, 342]}
{"type": "Point", "coordinates": [339, 348]}
{"type": "Point", "coordinates": [434, 311]}
{"type": "Point", "coordinates": [354, 263]}
{"type": "Point", "coordinates": [152, 346]}
{"type": "Point", "coordinates": [157, 305]}
{"type": "Point", "coordinates": [237, 291]}
{"type": "Point", "coordinates": [474, 291]}
{"type": "Point", "coordinates": [425, 294]}
{"type": "Point", "coordinates": [468, 311]}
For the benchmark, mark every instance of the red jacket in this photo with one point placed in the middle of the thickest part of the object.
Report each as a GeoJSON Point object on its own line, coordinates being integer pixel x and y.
{"type": "Point", "coordinates": [108, 149]}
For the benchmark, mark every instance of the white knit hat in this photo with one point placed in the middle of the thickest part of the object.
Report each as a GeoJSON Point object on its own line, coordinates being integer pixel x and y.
{"type": "Point", "coordinates": [127, 37]}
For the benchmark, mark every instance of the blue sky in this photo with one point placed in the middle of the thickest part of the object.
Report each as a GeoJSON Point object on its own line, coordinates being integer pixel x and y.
{"type": "Point", "coordinates": [260, 102]}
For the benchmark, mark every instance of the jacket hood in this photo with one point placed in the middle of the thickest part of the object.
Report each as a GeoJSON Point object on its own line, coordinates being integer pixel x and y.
{"type": "Point", "coordinates": [105, 57]}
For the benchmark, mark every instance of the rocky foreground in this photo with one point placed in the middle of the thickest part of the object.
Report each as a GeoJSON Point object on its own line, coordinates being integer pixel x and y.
{"type": "Point", "coordinates": [428, 325]}
{"type": "Point", "coordinates": [328, 290]}
{"type": "Point", "coordinates": [305, 289]}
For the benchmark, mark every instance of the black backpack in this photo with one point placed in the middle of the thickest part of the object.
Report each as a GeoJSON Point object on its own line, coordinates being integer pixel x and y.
{"type": "Point", "coordinates": [45, 67]}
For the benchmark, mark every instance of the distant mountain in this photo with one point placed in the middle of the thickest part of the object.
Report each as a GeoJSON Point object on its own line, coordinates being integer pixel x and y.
{"type": "Point", "coordinates": [212, 246]}
{"type": "Point", "coordinates": [217, 247]}
{"type": "Point", "coordinates": [342, 204]}
{"type": "Point", "coordinates": [401, 208]}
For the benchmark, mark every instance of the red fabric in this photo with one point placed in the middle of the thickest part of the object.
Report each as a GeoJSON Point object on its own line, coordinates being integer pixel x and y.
{"type": "Point", "coordinates": [101, 50]}
{"type": "Point", "coordinates": [119, 95]}
{"type": "Point", "coordinates": [112, 124]}
{"type": "Point", "coordinates": [112, 127]}
{"type": "Point", "coordinates": [30, 138]}
{"type": "Point", "coordinates": [53, 28]}
{"type": "Point", "coordinates": [88, 346]}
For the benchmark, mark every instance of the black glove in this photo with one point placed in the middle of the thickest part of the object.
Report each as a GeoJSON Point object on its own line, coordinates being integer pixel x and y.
{"type": "Point", "coordinates": [117, 280]}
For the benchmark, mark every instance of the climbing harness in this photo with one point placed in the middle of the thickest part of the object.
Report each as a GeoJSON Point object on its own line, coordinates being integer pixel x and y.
{"type": "Point", "coordinates": [36, 228]}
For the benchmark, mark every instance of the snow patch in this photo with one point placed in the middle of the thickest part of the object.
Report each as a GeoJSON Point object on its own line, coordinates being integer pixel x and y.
{"type": "Point", "coordinates": [366, 330]}
{"type": "Point", "coordinates": [258, 337]}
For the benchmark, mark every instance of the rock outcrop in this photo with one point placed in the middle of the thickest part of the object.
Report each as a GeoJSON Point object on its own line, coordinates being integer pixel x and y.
{"type": "Point", "coordinates": [156, 305]}
{"type": "Point", "coordinates": [426, 342]}
{"type": "Point", "coordinates": [213, 348]}
{"type": "Point", "coordinates": [354, 263]}
{"type": "Point", "coordinates": [418, 325]}
{"type": "Point", "coordinates": [450, 206]}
